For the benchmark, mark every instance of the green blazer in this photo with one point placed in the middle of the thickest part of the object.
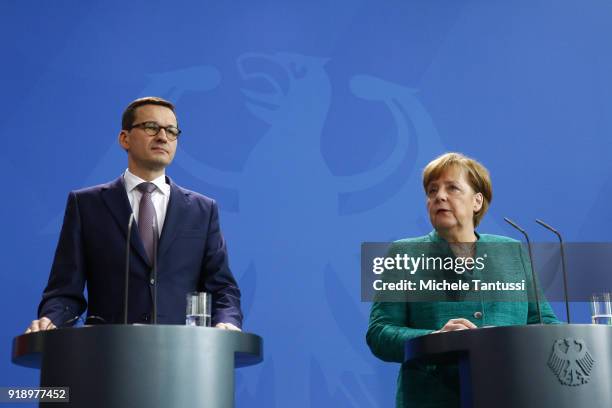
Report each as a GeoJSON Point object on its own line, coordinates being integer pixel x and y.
{"type": "Point", "coordinates": [392, 323]}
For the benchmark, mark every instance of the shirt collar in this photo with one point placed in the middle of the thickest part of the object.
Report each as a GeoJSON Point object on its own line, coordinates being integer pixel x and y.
{"type": "Point", "coordinates": [132, 181]}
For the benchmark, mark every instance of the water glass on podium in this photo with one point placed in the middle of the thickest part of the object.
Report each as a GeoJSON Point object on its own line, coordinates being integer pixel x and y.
{"type": "Point", "coordinates": [601, 308]}
{"type": "Point", "coordinates": [198, 309]}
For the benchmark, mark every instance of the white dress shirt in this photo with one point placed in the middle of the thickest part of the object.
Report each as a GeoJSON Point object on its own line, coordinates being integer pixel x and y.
{"type": "Point", "coordinates": [160, 196]}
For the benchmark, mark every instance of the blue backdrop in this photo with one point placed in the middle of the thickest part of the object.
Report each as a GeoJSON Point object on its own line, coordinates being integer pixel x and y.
{"type": "Point", "coordinates": [310, 123]}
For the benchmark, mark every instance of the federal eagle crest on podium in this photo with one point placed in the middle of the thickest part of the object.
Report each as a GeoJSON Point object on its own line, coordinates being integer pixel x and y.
{"type": "Point", "coordinates": [571, 361]}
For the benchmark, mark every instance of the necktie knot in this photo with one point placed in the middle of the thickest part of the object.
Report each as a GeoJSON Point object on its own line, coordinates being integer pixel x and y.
{"type": "Point", "coordinates": [146, 187]}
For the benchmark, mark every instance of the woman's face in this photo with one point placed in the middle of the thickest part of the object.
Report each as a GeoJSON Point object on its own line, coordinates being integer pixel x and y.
{"type": "Point", "coordinates": [451, 202]}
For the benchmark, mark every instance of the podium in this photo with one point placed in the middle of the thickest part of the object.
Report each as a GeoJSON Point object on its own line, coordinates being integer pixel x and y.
{"type": "Point", "coordinates": [541, 366]}
{"type": "Point", "coordinates": [140, 365]}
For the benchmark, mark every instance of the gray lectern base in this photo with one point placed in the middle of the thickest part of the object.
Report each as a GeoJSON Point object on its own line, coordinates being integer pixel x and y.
{"type": "Point", "coordinates": [140, 365]}
{"type": "Point", "coordinates": [541, 366]}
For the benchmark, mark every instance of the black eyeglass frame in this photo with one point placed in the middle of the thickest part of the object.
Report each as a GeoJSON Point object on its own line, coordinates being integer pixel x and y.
{"type": "Point", "coordinates": [172, 132]}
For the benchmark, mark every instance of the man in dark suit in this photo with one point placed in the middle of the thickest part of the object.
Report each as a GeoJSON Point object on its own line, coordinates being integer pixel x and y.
{"type": "Point", "coordinates": [183, 225]}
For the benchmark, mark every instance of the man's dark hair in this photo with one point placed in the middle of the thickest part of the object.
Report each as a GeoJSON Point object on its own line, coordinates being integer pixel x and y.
{"type": "Point", "coordinates": [127, 119]}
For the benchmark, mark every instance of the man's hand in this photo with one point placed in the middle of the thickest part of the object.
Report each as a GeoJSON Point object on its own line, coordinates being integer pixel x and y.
{"type": "Point", "coordinates": [457, 324]}
{"type": "Point", "coordinates": [227, 326]}
{"type": "Point", "coordinates": [44, 323]}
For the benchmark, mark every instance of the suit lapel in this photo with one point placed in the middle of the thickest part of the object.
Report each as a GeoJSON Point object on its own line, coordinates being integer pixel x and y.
{"type": "Point", "coordinates": [115, 198]}
{"type": "Point", "coordinates": [177, 208]}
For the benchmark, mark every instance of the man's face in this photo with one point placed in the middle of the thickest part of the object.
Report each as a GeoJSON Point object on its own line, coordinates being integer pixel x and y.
{"type": "Point", "coordinates": [145, 152]}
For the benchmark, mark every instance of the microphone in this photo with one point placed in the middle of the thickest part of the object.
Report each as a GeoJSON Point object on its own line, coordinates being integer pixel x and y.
{"type": "Point", "coordinates": [127, 268]}
{"type": "Point", "coordinates": [154, 271]}
{"type": "Point", "coordinates": [533, 271]}
{"type": "Point", "coordinates": [558, 234]}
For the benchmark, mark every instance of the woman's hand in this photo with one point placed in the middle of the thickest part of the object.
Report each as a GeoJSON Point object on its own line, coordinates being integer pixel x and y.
{"type": "Point", "coordinates": [456, 324]}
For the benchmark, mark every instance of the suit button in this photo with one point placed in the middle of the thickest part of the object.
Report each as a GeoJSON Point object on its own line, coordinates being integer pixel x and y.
{"type": "Point", "coordinates": [478, 315]}
{"type": "Point", "coordinates": [152, 281]}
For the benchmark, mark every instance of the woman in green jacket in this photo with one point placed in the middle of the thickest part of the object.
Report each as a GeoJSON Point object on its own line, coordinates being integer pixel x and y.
{"type": "Point", "coordinates": [458, 191]}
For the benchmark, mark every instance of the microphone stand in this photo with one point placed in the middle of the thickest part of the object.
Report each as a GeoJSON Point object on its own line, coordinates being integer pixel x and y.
{"type": "Point", "coordinates": [154, 271]}
{"type": "Point", "coordinates": [127, 268]}
{"type": "Point", "coordinates": [558, 234]}
{"type": "Point", "coordinates": [533, 272]}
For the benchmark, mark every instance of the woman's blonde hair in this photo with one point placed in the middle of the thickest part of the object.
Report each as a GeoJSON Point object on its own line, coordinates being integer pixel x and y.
{"type": "Point", "coordinates": [476, 174]}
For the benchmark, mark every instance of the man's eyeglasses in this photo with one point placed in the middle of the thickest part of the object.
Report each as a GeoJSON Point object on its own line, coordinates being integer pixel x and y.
{"type": "Point", "coordinates": [153, 128]}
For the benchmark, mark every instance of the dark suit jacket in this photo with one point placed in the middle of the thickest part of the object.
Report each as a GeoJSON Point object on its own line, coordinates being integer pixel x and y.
{"type": "Point", "coordinates": [91, 250]}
